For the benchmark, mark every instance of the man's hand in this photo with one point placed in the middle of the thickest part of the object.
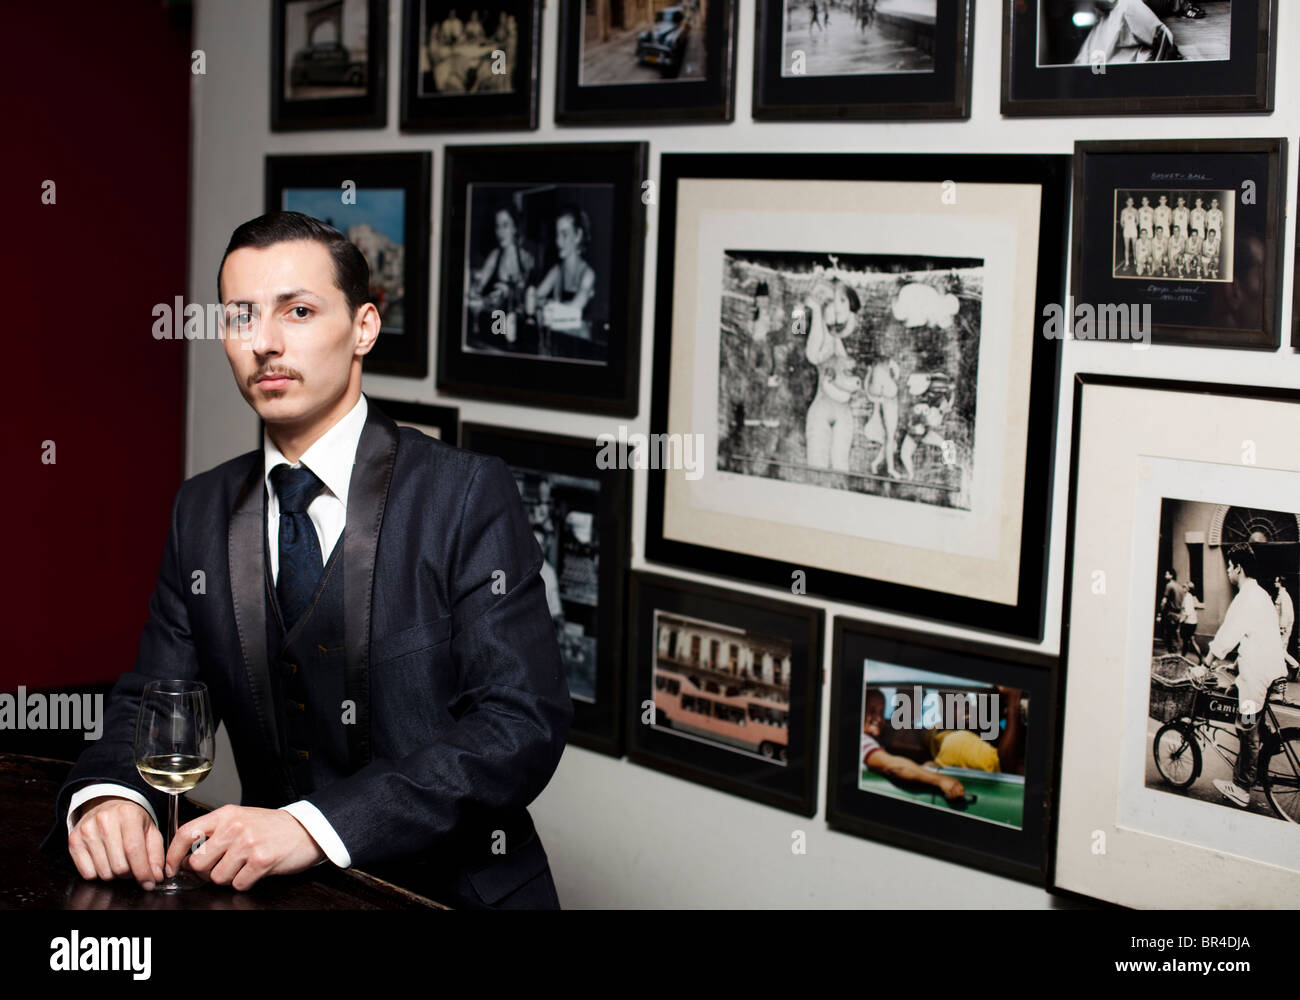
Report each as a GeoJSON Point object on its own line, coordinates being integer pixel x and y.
{"type": "Point", "coordinates": [115, 837]}
{"type": "Point", "coordinates": [951, 787]}
{"type": "Point", "coordinates": [237, 845]}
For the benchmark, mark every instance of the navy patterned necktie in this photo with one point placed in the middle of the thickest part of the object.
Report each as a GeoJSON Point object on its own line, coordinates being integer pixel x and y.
{"type": "Point", "coordinates": [300, 555]}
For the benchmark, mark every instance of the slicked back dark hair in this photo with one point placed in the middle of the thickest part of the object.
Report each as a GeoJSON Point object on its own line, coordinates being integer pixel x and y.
{"type": "Point", "coordinates": [351, 272]}
{"type": "Point", "coordinates": [1242, 556]}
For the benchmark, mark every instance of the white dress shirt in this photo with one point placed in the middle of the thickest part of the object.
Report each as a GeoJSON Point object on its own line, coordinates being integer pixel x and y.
{"type": "Point", "coordinates": [331, 458]}
{"type": "Point", "coordinates": [1251, 626]}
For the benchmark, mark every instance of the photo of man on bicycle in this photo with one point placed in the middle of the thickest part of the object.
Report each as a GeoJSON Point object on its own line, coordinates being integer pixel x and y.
{"type": "Point", "coordinates": [1250, 627]}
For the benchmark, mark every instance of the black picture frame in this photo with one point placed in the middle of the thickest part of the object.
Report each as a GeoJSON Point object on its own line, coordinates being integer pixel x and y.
{"type": "Point", "coordinates": [973, 834]}
{"type": "Point", "coordinates": [598, 709]}
{"type": "Point", "coordinates": [758, 774]}
{"type": "Point", "coordinates": [478, 108]}
{"type": "Point", "coordinates": [1244, 312]}
{"type": "Point", "coordinates": [484, 353]}
{"type": "Point", "coordinates": [1242, 83]}
{"type": "Point", "coordinates": [444, 420]}
{"type": "Point", "coordinates": [367, 110]}
{"type": "Point", "coordinates": [1050, 173]}
{"type": "Point", "coordinates": [668, 100]}
{"type": "Point", "coordinates": [404, 353]}
{"type": "Point", "coordinates": [939, 94]}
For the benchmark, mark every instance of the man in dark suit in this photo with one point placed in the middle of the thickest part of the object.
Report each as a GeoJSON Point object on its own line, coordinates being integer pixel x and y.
{"type": "Point", "coordinates": [365, 606]}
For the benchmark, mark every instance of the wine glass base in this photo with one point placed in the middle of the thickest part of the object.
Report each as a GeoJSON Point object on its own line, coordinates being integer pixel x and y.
{"type": "Point", "coordinates": [177, 883]}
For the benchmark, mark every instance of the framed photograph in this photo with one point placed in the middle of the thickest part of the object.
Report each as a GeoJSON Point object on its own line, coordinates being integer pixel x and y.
{"type": "Point", "coordinates": [725, 690]}
{"type": "Point", "coordinates": [852, 394]}
{"type": "Point", "coordinates": [579, 504]}
{"type": "Point", "coordinates": [329, 64]}
{"type": "Point", "coordinates": [380, 201]}
{"type": "Point", "coordinates": [1181, 733]}
{"type": "Point", "coordinates": [862, 59]}
{"type": "Point", "coordinates": [665, 61]}
{"type": "Point", "coordinates": [1179, 242]}
{"type": "Point", "coordinates": [441, 422]}
{"type": "Point", "coordinates": [472, 70]}
{"type": "Point", "coordinates": [1138, 57]}
{"type": "Point", "coordinates": [942, 746]}
{"type": "Point", "coordinates": [541, 274]}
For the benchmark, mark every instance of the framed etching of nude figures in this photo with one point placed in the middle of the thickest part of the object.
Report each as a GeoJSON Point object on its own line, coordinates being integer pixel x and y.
{"type": "Point", "coordinates": [541, 274]}
{"type": "Point", "coordinates": [852, 394]}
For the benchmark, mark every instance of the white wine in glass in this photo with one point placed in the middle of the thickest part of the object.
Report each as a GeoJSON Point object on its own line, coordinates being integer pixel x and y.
{"type": "Point", "coordinates": [175, 741]}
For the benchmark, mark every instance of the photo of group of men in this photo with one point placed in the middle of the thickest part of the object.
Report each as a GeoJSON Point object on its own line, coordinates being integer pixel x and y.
{"type": "Point", "coordinates": [1175, 235]}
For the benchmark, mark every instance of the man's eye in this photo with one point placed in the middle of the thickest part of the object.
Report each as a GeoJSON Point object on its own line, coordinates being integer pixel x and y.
{"type": "Point", "coordinates": [301, 312]}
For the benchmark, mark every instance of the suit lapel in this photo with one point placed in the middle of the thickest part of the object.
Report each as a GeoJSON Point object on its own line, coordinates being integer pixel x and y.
{"type": "Point", "coordinates": [367, 497]}
{"type": "Point", "coordinates": [245, 551]}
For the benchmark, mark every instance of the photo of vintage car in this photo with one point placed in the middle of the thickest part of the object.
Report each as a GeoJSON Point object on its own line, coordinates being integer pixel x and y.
{"type": "Point", "coordinates": [664, 44]}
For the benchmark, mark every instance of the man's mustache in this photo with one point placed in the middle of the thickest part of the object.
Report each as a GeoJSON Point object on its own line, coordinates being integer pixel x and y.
{"type": "Point", "coordinates": [274, 370]}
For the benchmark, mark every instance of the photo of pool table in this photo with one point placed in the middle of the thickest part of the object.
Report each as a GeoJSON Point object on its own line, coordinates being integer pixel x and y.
{"type": "Point", "coordinates": [997, 798]}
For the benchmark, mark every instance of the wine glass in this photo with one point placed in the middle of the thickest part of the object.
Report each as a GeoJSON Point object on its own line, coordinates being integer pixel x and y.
{"type": "Point", "coordinates": [175, 742]}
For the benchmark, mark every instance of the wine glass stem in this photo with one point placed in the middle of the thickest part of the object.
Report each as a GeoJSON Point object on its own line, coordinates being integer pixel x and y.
{"type": "Point", "coordinates": [173, 816]}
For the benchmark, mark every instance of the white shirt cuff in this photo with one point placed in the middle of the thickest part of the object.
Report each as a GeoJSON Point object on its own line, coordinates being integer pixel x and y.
{"type": "Point", "coordinates": [83, 795]}
{"type": "Point", "coordinates": [315, 823]}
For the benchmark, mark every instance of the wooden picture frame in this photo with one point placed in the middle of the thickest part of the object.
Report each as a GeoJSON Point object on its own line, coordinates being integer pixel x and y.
{"type": "Point", "coordinates": [441, 422]}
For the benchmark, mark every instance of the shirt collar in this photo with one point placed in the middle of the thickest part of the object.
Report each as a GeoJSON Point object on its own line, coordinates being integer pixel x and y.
{"type": "Point", "coordinates": [331, 456]}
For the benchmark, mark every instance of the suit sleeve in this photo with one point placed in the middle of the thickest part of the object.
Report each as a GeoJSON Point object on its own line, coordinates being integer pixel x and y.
{"type": "Point", "coordinates": [513, 709]}
{"type": "Point", "coordinates": [166, 651]}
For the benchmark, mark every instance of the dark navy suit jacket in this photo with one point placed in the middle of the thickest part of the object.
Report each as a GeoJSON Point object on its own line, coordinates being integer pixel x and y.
{"type": "Point", "coordinates": [462, 709]}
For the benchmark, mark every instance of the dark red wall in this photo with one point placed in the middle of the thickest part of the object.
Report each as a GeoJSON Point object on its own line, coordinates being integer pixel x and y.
{"type": "Point", "coordinates": [97, 100]}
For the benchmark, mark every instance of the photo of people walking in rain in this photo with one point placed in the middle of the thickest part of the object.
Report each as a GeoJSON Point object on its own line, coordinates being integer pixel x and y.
{"type": "Point", "coordinates": [853, 37]}
{"type": "Point", "coordinates": [851, 371]}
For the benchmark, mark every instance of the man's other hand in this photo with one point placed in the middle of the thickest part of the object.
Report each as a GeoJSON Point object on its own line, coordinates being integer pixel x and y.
{"type": "Point", "coordinates": [114, 838]}
{"type": "Point", "coordinates": [237, 845]}
{"type": "Point", "coordinates": [951, 788]}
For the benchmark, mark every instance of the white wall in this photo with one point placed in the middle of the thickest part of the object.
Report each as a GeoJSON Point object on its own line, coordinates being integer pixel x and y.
{"type": "Point", "coordinates": [620, 835]}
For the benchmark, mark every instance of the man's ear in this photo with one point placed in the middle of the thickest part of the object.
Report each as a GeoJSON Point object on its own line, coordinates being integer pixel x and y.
{"type": "Point", "coordinates": [367, 324]}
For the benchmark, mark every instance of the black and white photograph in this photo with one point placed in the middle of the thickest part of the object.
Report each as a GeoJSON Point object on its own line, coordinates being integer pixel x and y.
{"type": "Point", "coordinates": [325, 44]}
{"type": "Point", "coordinates": [1179, 241]}
{"type": "Point", "coordinates": [725, 686]}
{"type": "Point", "coordinates": [851, 371]}
{"type": "Point", "coordinates": [643, 41]}
{"type": "Point", "coordinates": [380, 202]}
{"type": "Point", "coordinates": [542, 247]}
{"type": "Point", "coordinates": [723, 689]}
{"type": "Point", "coordinates": [329, 64]}
{"type": "Point", "coordinates": [1138, 57]}
{"type": "Point", "coordinates": [1181, 749]}
{"type": "Point", "coordinates": [1225, 705]}
{"type": "Point", "coordinates": [538, 283]}
{"type": "Point", "coordinates": [1181, 234]}
{"type": "Point", "coordinates": [840, 60]}
{"type": "Point", "coordinates": [1107, 32]}
{"type": "Point", "coordinates": [857, 37]}
{"type": "Point", "coordinates": [469, 65]}
{"type": "Point", "coordinates": [563, 512]}
{"type": "Point", "coordinates": [850, 361]}
{"type": "Point", "coordinates": [467, 48]}
{"type": "Point", "coordinates": [577, 511]}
